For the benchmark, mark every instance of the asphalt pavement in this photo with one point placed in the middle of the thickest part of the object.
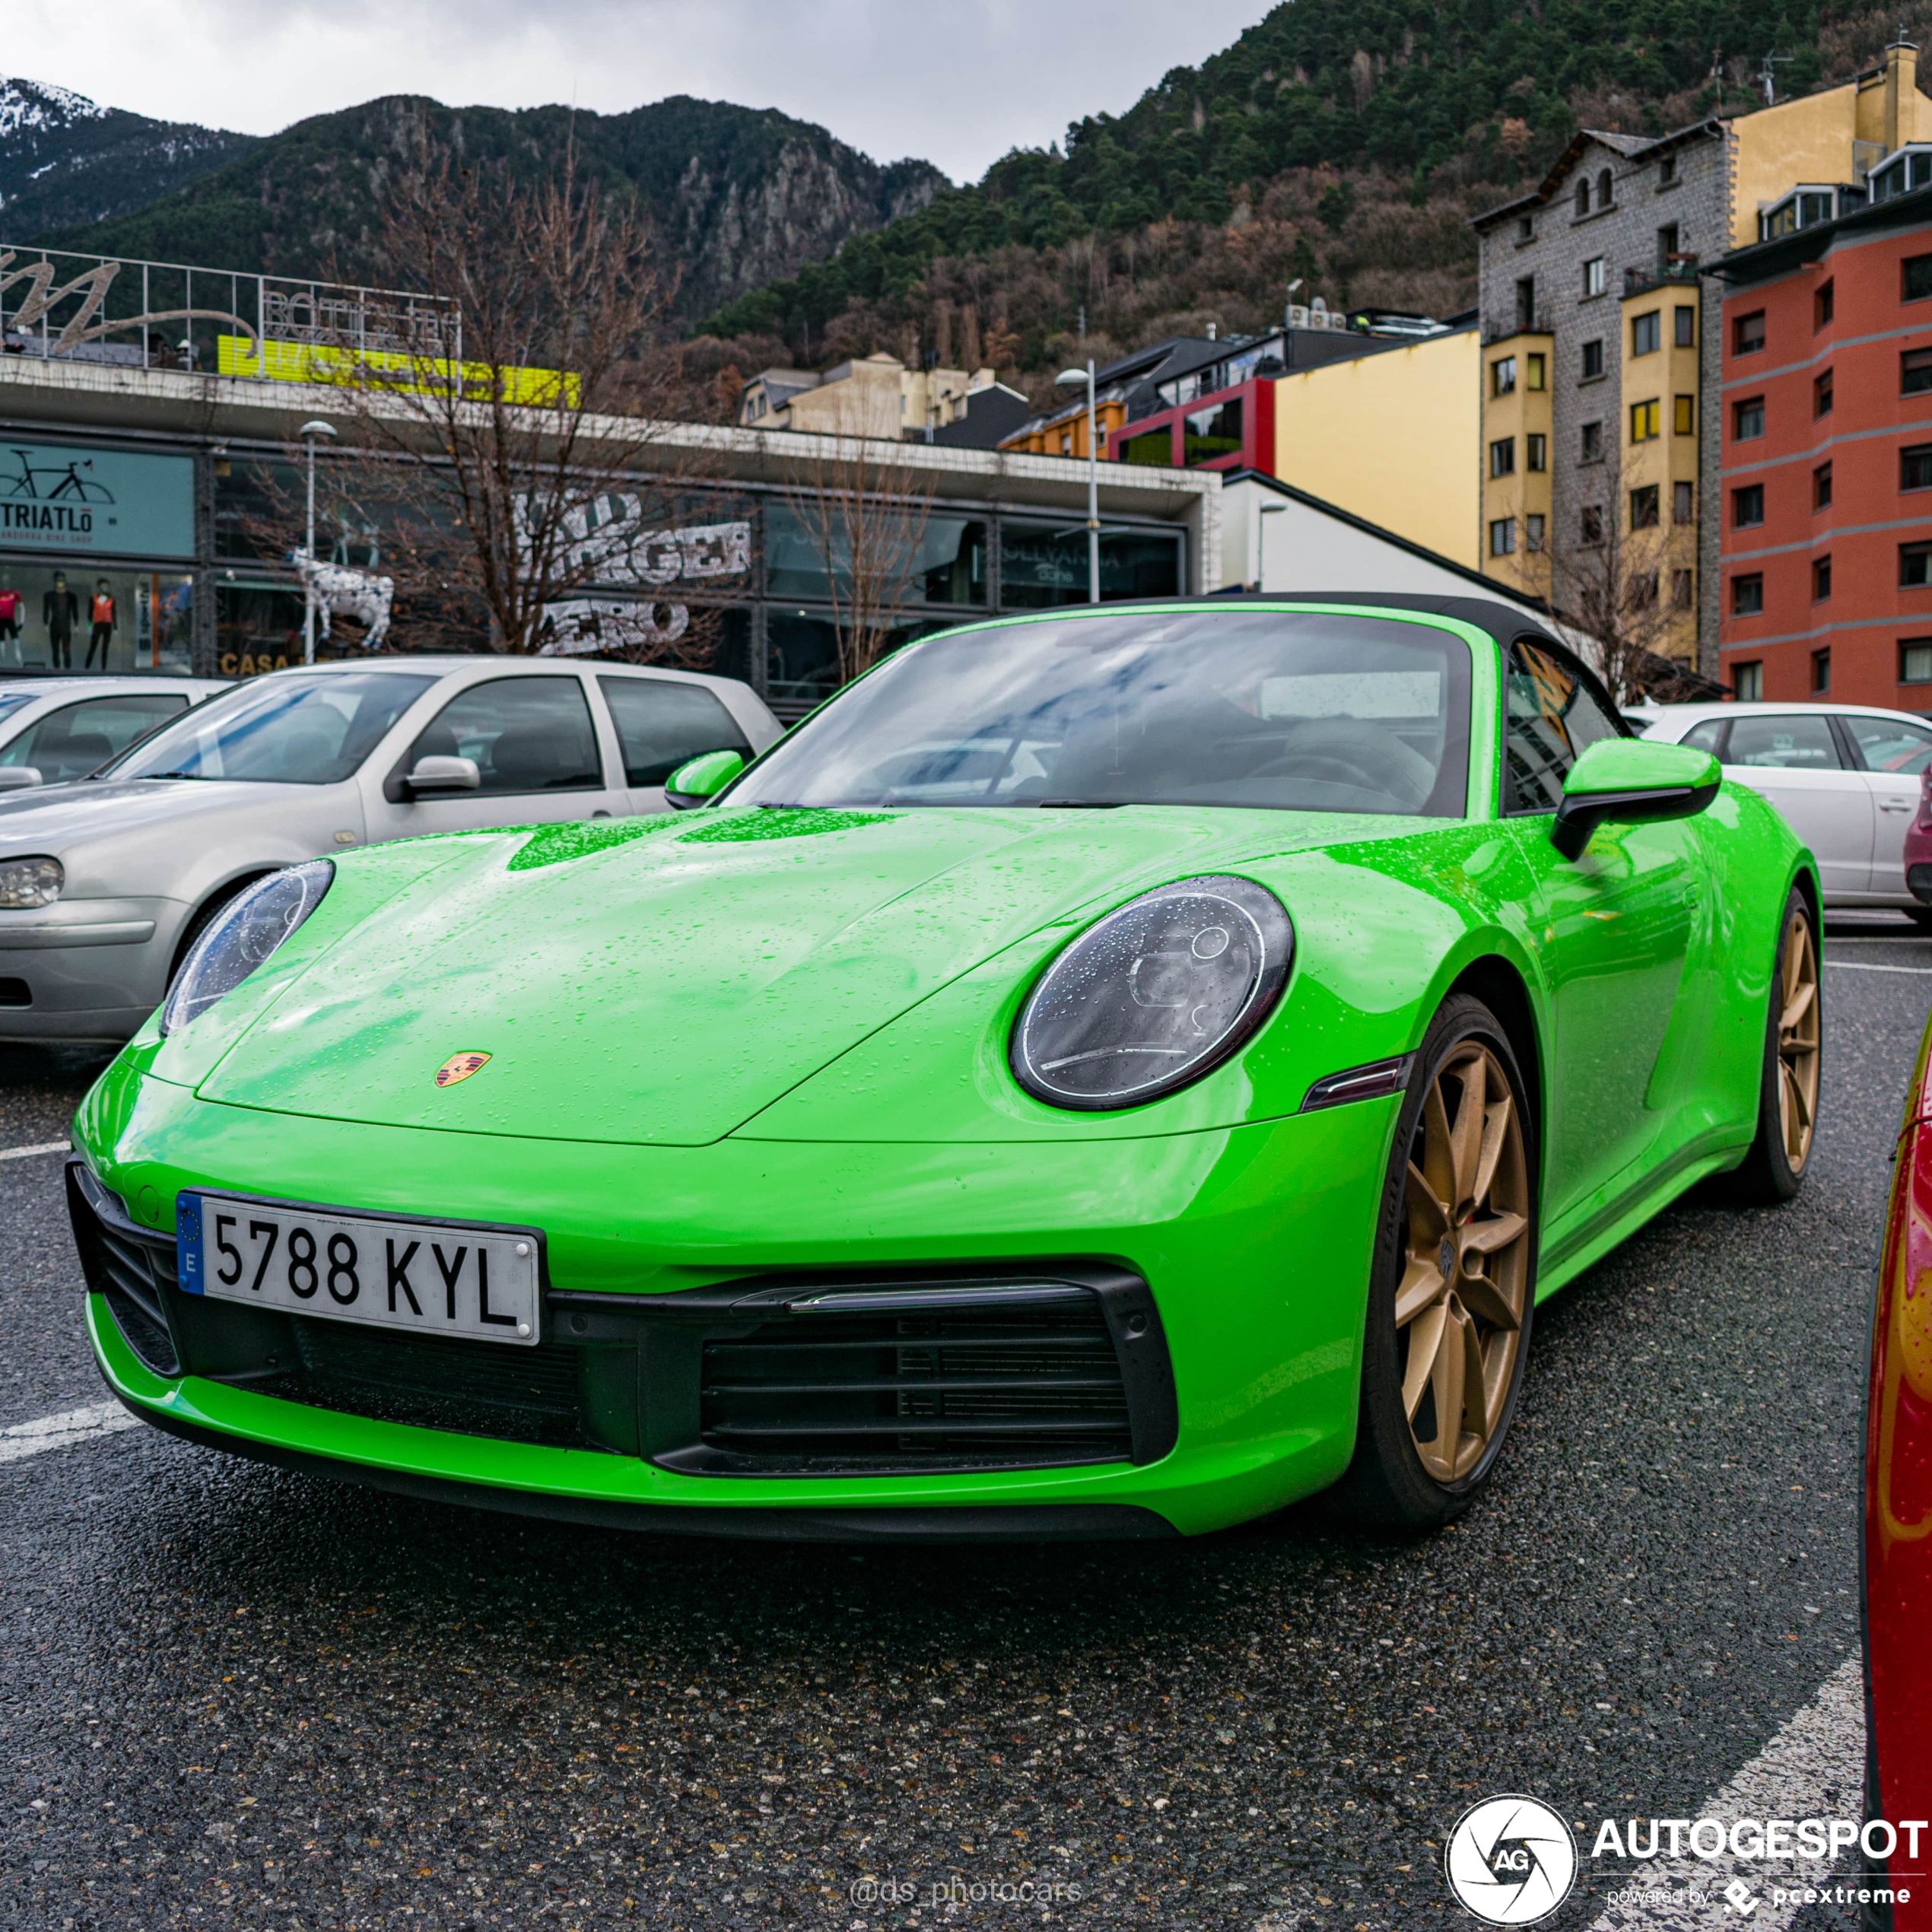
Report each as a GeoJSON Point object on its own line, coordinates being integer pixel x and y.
{"type": "Point", "coordinates": [233, 1697]}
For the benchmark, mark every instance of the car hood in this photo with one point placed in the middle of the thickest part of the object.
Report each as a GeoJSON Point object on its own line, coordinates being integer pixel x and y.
{"type": "Point", "coordinates": [661, 981]}
{"type": "Point", "coordinates": [59, 819]}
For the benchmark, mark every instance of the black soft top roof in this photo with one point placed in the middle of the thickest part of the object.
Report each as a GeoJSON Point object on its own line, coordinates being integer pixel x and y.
{"type": "Point", "coordinates": [1503, 622]}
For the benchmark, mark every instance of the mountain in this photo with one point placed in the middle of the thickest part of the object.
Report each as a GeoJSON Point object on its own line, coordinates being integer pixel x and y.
{"type": "Point", "coordinates": [741, 196]}
{"type": "Point", "coordinates": [64, 159]}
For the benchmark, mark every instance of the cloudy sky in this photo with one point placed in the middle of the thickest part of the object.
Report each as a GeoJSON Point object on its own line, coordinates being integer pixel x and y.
{"type": "Point", "coordinates": [958, 84]}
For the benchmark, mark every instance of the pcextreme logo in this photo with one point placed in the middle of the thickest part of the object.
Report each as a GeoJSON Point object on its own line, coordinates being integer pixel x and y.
{"type": "Point", "coordinates": [1511, 1860]}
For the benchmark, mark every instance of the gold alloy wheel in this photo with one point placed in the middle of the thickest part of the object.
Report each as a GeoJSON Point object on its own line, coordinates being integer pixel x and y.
{"type": "Point", "coordinates": [1797, 1041]}
{"type": "Point", "coordinates": [1459, 1308]}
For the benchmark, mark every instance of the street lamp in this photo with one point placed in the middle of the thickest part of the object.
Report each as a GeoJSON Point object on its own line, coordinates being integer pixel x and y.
{"type": "Point", "coordinates": [1070, 379]}
{"type": "Point", "coordinates": [309, 432]}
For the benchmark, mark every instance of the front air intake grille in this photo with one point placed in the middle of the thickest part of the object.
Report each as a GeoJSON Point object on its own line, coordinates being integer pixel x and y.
{"type": "Point", "coordinates": [15, 993]}
{"type": "Point", "coordinates": [130, 1266]}
{"type": "Point", "coordinates": [949, 1379]}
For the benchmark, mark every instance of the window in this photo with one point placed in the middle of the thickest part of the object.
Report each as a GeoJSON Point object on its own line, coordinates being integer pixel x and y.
{"type": "Point", "coordinates": [1645, 418]}
{"type": "Point", "coordinates": [1526, 229]}
{"type": "Point", "coordinates": [1533, 371]}
{"type": "Point", "coordinates": [1555, 715]}
{"type": "Point", "coordinates": [1821, 487]}
{"type": "Point", "coordinates": [1708, 736]}
{"type": "Point", "coordinates": [1916, 660]}
{"type": "Point", "coordinates": [1797, 743]}
{"type": "Point", "coordinates": [1536, 452]}
{"type": "Point", "coordinates": [1821, 672]}
{"type": "Point", "coordinates": [1915, 467]}
{"type": "Point", "coordinates": [1593, 359]}
{"type": "Point", "coordinates": [1747, 506]}
{"type": "Point", "coordinates": [1915, 566]}
{"type": "Point", "coordinates": [1747, 419]}
{"type": "Point", "coordinates": [1206, 435]}
{"type": "Point", "coordinates": [1915, 278]}
{"type": "Point", "coordinates": [1683, 502]}
{"type": "Point", "coordinates": [1603, 189]}
{"type": "Point", "coordinates": [1683, 589]}
{"type": "Point", "coordinates": [1589, 524]}
{"type": "Point", "coordinates": [1686, 329]}
{"type": "Point", "coordinates": [1889, 744]}
{"type": "Point", "coordinates": [1820, 579]}
{"type": "Point", "coordinates": [1525, 301]}
{"type": "Point", "coordinates": [1643, 508]}
{"type": "Point", "coordinates": [659, 725]}
{"type": "Point", "coordinates": [1502, 376]}
{"type": "Point", "coordinates": [1747, 595]}
{"type": "Point", "coordinates": [1915, 371]}
{"type": "Point", "coordinates": [525, 734]}
{"type": "Point", "coordinates": [1666, 171]}
{"type": "Point", "coordinates": [1748, 682]}
{"type": "Point", "coordinates": [1154, 446]}
{"type": "Point", "coordinates": [1533, 530]}
{"type": "Point", "coordinates": [77, 739]}
{"type": "Point", "coordinates": [1502, 537]}
{"type": "Point", "coordinates": [1684, 415]}
{"type": "Point", "coordinates": [1821, 394]}
{"type": "Point", "coordinates": [1041, 566]}
{"type": "Point", "coordinates": [1643, 590]}
{"type": "Point", "coordinates": [1502, 457]}
{"type": "Point", "coordinates": [1666, 246]}
{"type": "Point", "coordinates": [1823, 303]}
{"type": "Point", "coordinates": [1593, 444]}
{"type": "Point", "coordinates": [1583, 198]}
{"type": "Point", "coordinates": [1646, 333]}
{"type": "Point", "coordinates": [1747, 333]}
{"type": "Point", "coordinates": [1593, 276]}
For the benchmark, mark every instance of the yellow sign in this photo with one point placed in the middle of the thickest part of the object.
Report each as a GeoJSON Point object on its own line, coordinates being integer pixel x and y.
{"type": "Point", "coordinates": [380, 368]}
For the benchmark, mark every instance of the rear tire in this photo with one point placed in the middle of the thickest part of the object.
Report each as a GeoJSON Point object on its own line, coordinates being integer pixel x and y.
{"type": "Point", "coordinates": [1921, 916]}
{"type": "Point", "coordinates": [1788, 1084]}
{"type": "Point", "coordinates": [1452, 1292]}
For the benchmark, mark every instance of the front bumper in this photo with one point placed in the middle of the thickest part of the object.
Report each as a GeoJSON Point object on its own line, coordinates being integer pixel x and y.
{"type": "Point", "coordinates": [1242, 1255]}
{"type": "Point", "coordinates": [85, 969]}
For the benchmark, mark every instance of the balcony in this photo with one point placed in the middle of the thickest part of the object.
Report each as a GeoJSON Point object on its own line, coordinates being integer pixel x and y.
{"type": "Point", "coordinates": [1676, 271]}
{"type": "Point", "coordinates": [1500, 329]}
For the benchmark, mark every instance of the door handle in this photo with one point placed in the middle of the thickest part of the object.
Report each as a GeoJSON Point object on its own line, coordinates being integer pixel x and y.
{"type": "Point", "coordinates": [1895, 805]}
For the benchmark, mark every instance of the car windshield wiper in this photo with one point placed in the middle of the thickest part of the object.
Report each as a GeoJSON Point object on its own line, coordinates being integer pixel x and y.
{"type": "Point", "coordinates": [1080, 805]}
{"type": "Point", "coordinates": [163, 774]}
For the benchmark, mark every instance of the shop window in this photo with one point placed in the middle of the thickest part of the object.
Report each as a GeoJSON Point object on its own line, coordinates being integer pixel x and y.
{"type": "Point", "coordinates": [1915, 566]}
{"type": "Point", "coordinates": [1041, 566]}
{"type": "Point", "coordinates": [1502, 457]}
{"type": "Point", "coordinates": [1747, 681]}
{"type": "Point", "coordinates": [1915, 371]}
{"type": "Point", "coordinates": [258, 628]}
{"type": "Point", "coordinates": [1820, 579]}
{"type": "Point", "coordinates": [1683, 589]}
{"type": "Point", "coordinates": [1644, 511]}
{"type": "Point", "coordinates": [1747, 419]}
{"type": "Point", "coordinates": [1502, 376]}
{"type": "Point", "coordinates": [1686, 326]}
{"type": "Point", "coordinates": [1536, 452]}
{"type": "Point", "coordinates": [1747, 506]}
{"type": "Point", "coordinates": [1502, 537]}
{"type": "Point", "coordinates": [951, 565]}
{"type": "Point", "coordinates": [1915, 278]}
{"type": "Point", "coordinates": [801, 653]}
{"type": "Point", "coordinates": [1747, 333]}
{"type": "Point", "coordinates": [1154, 446]}
{"type": "Point", "coordinates": [1683, 503]}
{"type": "Point", "coordinates": [1646, 332]}
{"type": "Point", "coordinates": [1747, 595]}
{"type": "Point", "coordinates": [1821, 487]}
{"type": "Point", "coordinates": [1591, 445]}
{"type": "Point", "coordinates": [1645, 418]}
{"type": "Point", "coordinates": [1916, 660]}
{"type": "Point", "coordinates": [1824, 304]}
{"type": "Point", "coordinates": [1821, 394]}
{"type": "Point", "coordinates": [1532, 533]}
{"type": "Point", "coordinates": [1821, 673]}
{"type": "Point", "coordinates": [1684, 415]}
{"type": "Point", "coordinates": [1593, 359]}
{"type": "Point", "coordinates": [105, 617]}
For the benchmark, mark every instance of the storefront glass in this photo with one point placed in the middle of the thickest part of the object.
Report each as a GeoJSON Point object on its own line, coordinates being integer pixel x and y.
{"type": "Point", "coordinates": [948, 565]}
{"type": "Point", "coordinates": [258, 628]}
{"type": "Point", "coordinates": [1040, 566]}
{"type": "Point", "coordinates": [108, 616]}
{"type": "Point", "coordinates": [802, 657]}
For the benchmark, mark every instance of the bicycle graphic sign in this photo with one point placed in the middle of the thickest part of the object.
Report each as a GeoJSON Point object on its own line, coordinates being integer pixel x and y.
{"type": "Point", "coordinates": [64, 498]}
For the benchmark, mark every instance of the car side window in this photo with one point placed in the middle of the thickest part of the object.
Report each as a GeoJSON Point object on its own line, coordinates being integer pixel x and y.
{"type": "Point", "coordinates": [660, 725]}
{"type": "Point", "coordinates": [1553, 715]}
{"type": "Point", "coordinates": [1797, 743]}
{"type": "Point", "coordinates": [1708, 736]}
{"type": "Point", "coordinates": [525, 734]}
{"type": "Point", "coordinates": [79, 739]}
{"type": "Point", "coordinates": [1891, 744]}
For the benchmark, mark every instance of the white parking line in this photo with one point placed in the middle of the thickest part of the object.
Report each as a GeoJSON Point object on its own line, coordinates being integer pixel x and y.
{"type": "Point", "coordinates": [1814, 1768]}
{"type": "Point", "coordinates": [64, 1431]}
{"type": "Point", "coordinates": [43, 1147]}
{"type": "Point", "coordinates": [1859, 966]}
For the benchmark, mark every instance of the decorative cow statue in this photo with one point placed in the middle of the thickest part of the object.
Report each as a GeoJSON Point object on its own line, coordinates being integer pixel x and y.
{"type": "Point", "coordinates": [347, 592]}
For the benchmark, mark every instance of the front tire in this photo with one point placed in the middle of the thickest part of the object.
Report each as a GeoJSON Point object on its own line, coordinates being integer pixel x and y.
{"type": "Point", "coordinates": [1453, 1291]}
{"type": "Point", "coordinates": [1787, 1088]}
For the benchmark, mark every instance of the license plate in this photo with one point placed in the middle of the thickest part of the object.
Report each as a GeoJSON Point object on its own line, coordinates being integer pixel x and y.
{"type": "Point", "coordinates": [431, 1277]}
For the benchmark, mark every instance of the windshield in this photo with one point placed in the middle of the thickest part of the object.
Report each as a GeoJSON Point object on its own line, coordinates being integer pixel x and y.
{"type": "Point", "coordinates": [290, 729]}
{"type": "Point", "coordinates": [1298, 711]}
{"type": "Point", "coordinates": [11, 701]}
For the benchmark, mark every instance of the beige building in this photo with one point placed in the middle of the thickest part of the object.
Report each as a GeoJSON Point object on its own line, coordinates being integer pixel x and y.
{"type": "Point", "coordinates": [877, 396]}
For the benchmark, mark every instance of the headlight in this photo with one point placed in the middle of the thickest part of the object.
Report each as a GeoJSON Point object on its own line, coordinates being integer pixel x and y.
{"type": "Point", "coordinates": [30, 882]}
{"type": "Point", "coordinates": [1155, 996]}
{"type": "Point", "coordinates": [242, 936]}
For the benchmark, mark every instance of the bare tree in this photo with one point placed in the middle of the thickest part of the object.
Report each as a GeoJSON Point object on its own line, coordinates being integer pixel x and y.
{"type": "Point", "coordinates": [506, 418]}
{"type": "Point", "coordinates": [868, 523]}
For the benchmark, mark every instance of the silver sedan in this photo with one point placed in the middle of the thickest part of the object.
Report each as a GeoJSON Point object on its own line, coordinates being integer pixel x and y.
{"type": "Point", "coordinates": [104, 884]}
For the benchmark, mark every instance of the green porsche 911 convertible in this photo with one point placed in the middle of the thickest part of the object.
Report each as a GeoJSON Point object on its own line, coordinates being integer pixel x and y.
{"type": "Point", "coordinates": [1109, 1073]}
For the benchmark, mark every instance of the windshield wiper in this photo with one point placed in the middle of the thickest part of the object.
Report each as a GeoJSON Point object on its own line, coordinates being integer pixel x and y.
{"type": "Point", "coordinates": [165, 774]}
{"type": "Point", "coordinates": [1080, 805]}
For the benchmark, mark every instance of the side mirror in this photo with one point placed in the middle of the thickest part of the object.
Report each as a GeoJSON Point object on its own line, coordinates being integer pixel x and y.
{"type": "Point", "coordinates": [701, 779]}
{"type": "Point", "coordinates": [1629, 781]}
{"type": "Point", "coordinates": [441, 773]}
{"type": "Point", "coordinates": [18, 777]}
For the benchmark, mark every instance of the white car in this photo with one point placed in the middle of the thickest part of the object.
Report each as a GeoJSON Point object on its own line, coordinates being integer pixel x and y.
{"type": "Point", "coordinates": [54, 729]}
{"type": "Point", "coordinates": [1846, 776]}
{"type": "Point", "coordinates": [105, 883]}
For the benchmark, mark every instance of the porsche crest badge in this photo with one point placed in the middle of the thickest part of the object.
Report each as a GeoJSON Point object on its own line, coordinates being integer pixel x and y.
{"type": "Point", "coordinates": [460, 1067]}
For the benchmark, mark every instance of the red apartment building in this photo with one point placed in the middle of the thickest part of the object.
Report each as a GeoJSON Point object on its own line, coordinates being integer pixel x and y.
{"type": "Point", "coordinates": [1826, 474]}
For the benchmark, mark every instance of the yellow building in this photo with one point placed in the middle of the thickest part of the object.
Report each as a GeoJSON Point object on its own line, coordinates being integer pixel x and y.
{"type": "Point", "coordinates": [1388, 437]}
{"type": "Point", "coordinates": [1515, 424]}
{"type": "Point", "coordinates": [1064, 432]}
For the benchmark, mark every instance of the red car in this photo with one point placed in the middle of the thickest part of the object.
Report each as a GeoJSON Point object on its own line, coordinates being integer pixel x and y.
{"type": "Point", "coordinates": [1898, 1506]}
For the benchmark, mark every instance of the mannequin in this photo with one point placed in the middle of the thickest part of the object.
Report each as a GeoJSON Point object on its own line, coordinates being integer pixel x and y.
{"type": "Point", "coordinates": [60, 610]}
{"type": "Point", "coordinates": [101, 612]}
{"type": "Point", "coordinates": [11, 605]}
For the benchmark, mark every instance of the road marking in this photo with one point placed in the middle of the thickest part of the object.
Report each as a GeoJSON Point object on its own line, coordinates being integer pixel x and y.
{"type": "Point", "coordinates": [24, 1153]}
{"type": "Point", "coordinates": [1843, 965]}
{"type": "Point", "coordinates": [64, 1431]}
{"type": "Point", "coordinates": [1814, 1768]}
